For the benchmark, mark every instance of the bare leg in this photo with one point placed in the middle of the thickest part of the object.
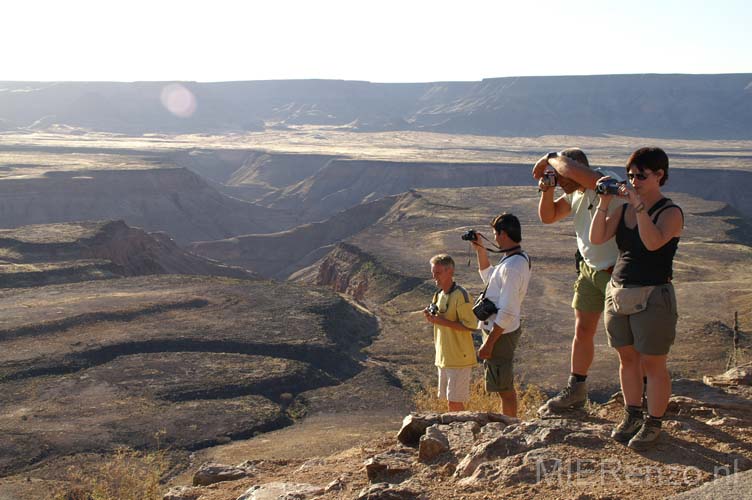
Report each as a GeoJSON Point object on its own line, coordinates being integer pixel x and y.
{"type": "Point", "coordinates": [659, 383]}
{"type": "Point", "coordinates": [508, 403]}
{"type": "Point", "coordinates": [456, 406]}
{"type": "Point", "coordinates": [583, 344]}
{"type": "Point", "coordinates": [630, 374]}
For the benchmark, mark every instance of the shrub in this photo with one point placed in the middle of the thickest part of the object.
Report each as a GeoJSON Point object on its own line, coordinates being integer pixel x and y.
{"type": "Point", "coordinates": [126, 475]}
{"type": "Point", "coordinates": [529, 399]}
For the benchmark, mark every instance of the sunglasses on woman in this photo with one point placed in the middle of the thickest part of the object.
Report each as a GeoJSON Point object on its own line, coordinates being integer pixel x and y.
{"type": "Point", "coordinates": [640, 176]}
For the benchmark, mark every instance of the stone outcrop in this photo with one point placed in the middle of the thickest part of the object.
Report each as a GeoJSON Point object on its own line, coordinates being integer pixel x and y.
{"type": "Point", "coordinates": [183, 493]}
{"type": "Point", "coordinates": [741, 375]}
{"type": "Point", "coordinates": [280, 490]}
{"type": "Point", "coordinates": [414, 425]}
{"type": "Point", "coordinates": [432, 444]}
{"type": "Point", "coordinates": [477, 454]}
{"type": "Point", "coordinates": [392, 466]}
{"type": "Point", "coordinates": [211, 473]}
{"type": "Point", "coordinates": [387, 491]}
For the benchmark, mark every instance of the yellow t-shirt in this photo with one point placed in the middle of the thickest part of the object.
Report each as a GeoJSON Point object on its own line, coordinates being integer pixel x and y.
{"type": "Point", "coordinates": [454, 348]}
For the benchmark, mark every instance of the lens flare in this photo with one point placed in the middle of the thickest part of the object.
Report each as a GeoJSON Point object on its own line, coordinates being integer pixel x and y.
{"type": "Point", "coordinates": [178, 100]}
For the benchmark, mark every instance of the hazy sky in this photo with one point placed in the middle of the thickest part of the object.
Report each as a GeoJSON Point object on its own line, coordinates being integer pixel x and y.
{"type": "Point", "coordinates": [382, 41]}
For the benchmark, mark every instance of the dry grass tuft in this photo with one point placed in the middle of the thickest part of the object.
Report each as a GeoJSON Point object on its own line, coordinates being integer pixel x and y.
{"type": "Point", "coordinates": [126, 475]}
{"type": "Point", "coordinates": [529, 399]}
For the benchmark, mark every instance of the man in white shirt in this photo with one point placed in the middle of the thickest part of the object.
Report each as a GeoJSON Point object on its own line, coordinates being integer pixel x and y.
{"type": "Point", "coordinates": [506, 286]}
{"type": "Point", "coordinates": [578, 181]}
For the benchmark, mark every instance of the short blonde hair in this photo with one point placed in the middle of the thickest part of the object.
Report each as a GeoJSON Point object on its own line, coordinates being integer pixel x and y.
{"type": "Point", "coordinates": [443, 259]}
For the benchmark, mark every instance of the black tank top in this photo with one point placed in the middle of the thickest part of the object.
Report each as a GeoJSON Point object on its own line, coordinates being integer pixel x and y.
{"type": "Point", "coordinates": [636, 265]}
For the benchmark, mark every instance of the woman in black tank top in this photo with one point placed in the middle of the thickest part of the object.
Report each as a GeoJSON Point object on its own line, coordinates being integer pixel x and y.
{"type": "Point", "coordinates": [647, 231]}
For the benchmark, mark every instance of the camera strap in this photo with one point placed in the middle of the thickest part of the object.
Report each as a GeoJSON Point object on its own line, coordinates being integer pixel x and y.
{"type": "Point", "coordinates": [499, 250]}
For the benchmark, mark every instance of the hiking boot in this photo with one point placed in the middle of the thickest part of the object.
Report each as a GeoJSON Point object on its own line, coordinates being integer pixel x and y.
{"type": "Point", "coordinates": [628, 427]}
{"type": "Point", "coordinates": [574, 395]}
{"type": "Point", "coordinates": [646, 437]}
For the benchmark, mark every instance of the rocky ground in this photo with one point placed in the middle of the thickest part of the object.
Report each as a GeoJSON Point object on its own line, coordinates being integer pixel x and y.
{"type": "Point", "coordinates": [707, 435]}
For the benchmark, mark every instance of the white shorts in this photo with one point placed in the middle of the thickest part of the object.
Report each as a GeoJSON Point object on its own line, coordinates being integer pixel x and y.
{"type": "Point", "coordinates": [454, 384]}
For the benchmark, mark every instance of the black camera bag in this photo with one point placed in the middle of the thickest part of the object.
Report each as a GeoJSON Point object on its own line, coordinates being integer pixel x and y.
{"type": "Point", "coordinates": [484, 308]}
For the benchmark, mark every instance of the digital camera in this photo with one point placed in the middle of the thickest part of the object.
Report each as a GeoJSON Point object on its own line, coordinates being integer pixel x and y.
{"type": "Point", "coordinates": [548, 179]}
{"type": "Point", "coordinates": [471, 235]}
{"type": "Point", "coordinates": [609, 186]}
{"type": "Point", "coordinates": [432, 309]}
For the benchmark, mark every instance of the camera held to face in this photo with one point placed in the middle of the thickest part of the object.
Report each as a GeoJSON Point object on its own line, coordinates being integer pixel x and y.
{"type": "Point", "coordinates": [471, 235]}
{"type": "Point", "coordinates": [432, 309]}
{"type": "Point", "coordinates": [609, 186]}
{"type": "Point", "coordinates": [548, 179]}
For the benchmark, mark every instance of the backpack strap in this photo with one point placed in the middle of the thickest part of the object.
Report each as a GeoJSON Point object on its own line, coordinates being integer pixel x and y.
{"type": "Point", "coordinates": [523, 254]}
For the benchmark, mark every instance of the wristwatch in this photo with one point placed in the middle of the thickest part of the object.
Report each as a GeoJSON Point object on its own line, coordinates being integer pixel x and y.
{"type": "Point", "coordinates": [552, 154]}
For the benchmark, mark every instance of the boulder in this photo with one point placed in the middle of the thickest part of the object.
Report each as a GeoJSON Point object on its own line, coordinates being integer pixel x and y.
{"type": "Point", "coordinates": [530, 435]}
{"type": "Point", "coordinates": [279, 490]}
{"type": "Point", "coordinates": [462, 435]}
{"type": "Point", "coordinates": [391, 466]}
{"type": "Point", "coordinates": [386, 491]}
{"type": "Point", "coordinates": [183, 493]}
{"type": "Point", "coordinates": [210, 473]}
{"type": "Point", "coordinates": [741, 375]}
{"type": "Point", "coordinates": [481, 418]}
{"type": "Point", "coordinates": [502, 446]}
{"type": "Point", "coordinates": [725, 422]}
{"type": "Point", "coordinates": [432, 444]}
{"type": "Point", "coordinates": [414, 426]}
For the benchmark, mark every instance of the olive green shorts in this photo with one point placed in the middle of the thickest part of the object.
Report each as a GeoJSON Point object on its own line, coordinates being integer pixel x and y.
{"type": "Point", "coordinates": [651, 331]}
{"type": "Point", "coordinates": [590, 289]}
{"type": "Point", "coordinates": [499, 370]}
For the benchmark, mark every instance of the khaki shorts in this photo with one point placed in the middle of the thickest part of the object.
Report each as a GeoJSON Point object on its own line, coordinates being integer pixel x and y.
{"type": "Point", "coordinates": [454, 384]}
{"type": "Point", "coordinates": [499, 370]}
{"type": "Point", "coordinates": [590, 289]}
{"type": "Point", "coordinates": [651, 331]}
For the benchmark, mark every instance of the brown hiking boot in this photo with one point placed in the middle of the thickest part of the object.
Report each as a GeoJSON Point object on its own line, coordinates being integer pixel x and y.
{"type": "Point", "coordinates": [647, 436]}
{"type": "Point", "coordinates": [573, 396]}
{"type": "Point", "coordinates": [628, 427]}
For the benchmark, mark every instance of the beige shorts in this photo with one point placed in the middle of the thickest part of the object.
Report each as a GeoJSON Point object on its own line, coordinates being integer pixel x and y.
{"type": "Point", "coordinates": [454, 384]}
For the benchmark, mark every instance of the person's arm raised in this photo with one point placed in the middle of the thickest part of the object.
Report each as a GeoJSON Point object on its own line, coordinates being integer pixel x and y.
{"type": "Point", "coordinates": [550, 211]}
{"type": "Point", "coordinates": [603, 226]}
{"type": "Point", "coordinates": [481, 253]}
{"type": "Point", "coordinates": [574, 170]}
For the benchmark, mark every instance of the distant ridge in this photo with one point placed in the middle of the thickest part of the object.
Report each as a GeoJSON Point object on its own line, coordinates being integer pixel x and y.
{"type": "Point", "coordinates": [647, 105]}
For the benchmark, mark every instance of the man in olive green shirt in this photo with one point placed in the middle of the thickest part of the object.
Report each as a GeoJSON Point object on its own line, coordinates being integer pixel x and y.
{"type": "Point", "coordinates": [453, 323]}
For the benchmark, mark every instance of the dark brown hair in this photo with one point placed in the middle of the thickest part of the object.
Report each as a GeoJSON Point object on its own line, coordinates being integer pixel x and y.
{"type": "Point", "coordinates": [509, 224]}
{"type": "Point", "coordinates": [653, 159]}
